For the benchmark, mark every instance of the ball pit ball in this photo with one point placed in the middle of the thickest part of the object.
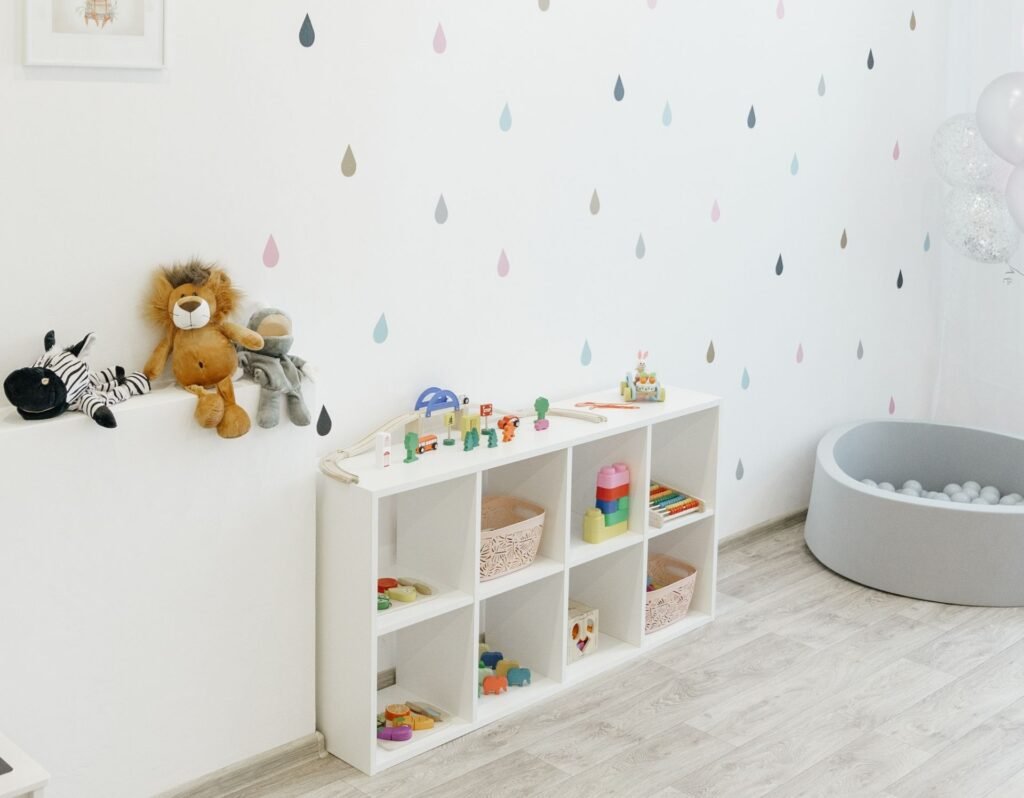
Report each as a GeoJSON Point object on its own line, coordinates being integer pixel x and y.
{"type": "Point", "coordinates": [870, 483]}
{"type": "Point", "coordinates": [1009, 501]}
{"type": "Point", "coordinates": [990, 490]}
{"type": "Point", "coordinates": [908, 492]}
{"type": "Point", "coordinates": [942, 497]}
{"type": "Point", "coordinates": [951, 488]}
{"type": "Point", "coordinates": [912, 484]}
{"type": "Point", "coordinates": [960, 498]}
{"type": "Point", "coordinates": [979, 500]}
{"type": "Point", "coordinates": [970, 492]}
{"type": "Point", "coordinates": [970, 485]}
{"type": "Point", "coordinates": [1016, 497]}
{"type": "Point", "coordinates": [887, 486]}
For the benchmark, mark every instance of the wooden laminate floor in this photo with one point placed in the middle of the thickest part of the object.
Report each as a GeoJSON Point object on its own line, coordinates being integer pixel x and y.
{"type": "Point", "coordinates": [805, 685]}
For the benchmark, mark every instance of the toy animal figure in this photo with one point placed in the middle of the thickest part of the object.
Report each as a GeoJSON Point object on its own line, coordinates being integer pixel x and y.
{"type": "Point", "coordinates": [494, 685]}
{"type": "Point", "coordinates": [519, 677]}
{"type": "Point", "coordinates": [60, 380]}
{"type": "Point", "coordinates": [277, 372]}
{"type": "Point", "coordinates": [642, 385]}
{"type": "Point", "coordinates": [191, 303]}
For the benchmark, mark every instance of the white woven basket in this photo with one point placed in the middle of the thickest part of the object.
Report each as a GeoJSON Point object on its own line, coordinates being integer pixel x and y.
{"type": "Point", "coordinates": [670, 603]}
{"type": "Point", "coordinates": [510, 535]}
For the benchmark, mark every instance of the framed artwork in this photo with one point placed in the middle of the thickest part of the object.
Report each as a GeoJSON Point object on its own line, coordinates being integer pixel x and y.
{"type": "Point", "coordinates": [124, 34]}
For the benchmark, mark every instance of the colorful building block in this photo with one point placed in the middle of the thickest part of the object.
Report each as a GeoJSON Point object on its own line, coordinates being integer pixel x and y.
{"type": "Point", "coordinates": [611, 519]}
{"type": "Point", "coordinates": [469, 421]}
{"type": "Point", "coordinates": [606, 532]}
{"type": "Point", "coordinates": [613, 476]}
{"type": "Point", "coordinates": [593, 525]}
{"type": "Point", "coordinates": [613, 494]}
{"type": "Point", "coordinates": [608, 506]}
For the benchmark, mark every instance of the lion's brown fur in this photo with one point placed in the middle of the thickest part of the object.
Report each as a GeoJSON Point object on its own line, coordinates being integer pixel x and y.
{"type": "Point", "coordinates": [195, 273]}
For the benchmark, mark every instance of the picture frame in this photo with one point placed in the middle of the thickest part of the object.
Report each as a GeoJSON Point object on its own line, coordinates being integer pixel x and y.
{"type": "Point", "coordinates": [114, 34]}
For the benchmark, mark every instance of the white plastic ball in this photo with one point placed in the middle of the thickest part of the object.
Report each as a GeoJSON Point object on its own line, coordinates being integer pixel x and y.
{"type": "Point", "coordinates": [869, 482]}
{"type": "Point", "coordinates": [970, 485]}
{"type": "Point", "coordinates": [1009, 501]}
{"type": "Point", "coordinates": [960, 498]}
{"type": "Point", "coordinates": [913, 484]}
{"type": "Point", "coordinates": [979, 500]}
{"type": "Point", "coordinates": [974, 494]}
{"type": "Point", "coordinates": [990, 490]}
{"type": "Point", "coordinates": [951, 488]}
{"type": "Point", "coordinates": [943, 497]}
{"type": "Point", "coordinates": [887, 486]}
{"type": "Point", "coordinates": [908, 492]}
{"type": "Point", "coordinates": [1017, 498]}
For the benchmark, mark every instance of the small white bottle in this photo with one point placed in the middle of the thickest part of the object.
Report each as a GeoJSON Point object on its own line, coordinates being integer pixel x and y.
{"type": "Point", "coordinates": [383, 449]}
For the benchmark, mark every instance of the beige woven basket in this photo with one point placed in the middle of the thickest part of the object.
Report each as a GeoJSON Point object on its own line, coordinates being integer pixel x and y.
{"type": "Point", "coordinates": [671, 602]}
{"type": "Point", "coordinates": [510, 535]}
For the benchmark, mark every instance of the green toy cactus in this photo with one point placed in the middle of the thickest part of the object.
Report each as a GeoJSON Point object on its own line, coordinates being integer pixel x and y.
{"type": "Point", "coordinates": [542, 405]}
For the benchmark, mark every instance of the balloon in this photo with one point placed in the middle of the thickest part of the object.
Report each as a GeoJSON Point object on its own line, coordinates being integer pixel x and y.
{"type": "Point", "coordinates": [978, 224]}
{"type": "Point", "coordinates": [960, 155]}
{"type": "Point", "coordinates": [1015, 195]}
{"type": "Point", "coordinates": [1001, 116]}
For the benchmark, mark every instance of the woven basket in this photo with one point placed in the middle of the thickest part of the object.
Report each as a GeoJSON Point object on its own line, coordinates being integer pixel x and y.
{"type": "Point", "coordinates": [671, 602]}
{"type": "Point", "coordinates": [510, 535]}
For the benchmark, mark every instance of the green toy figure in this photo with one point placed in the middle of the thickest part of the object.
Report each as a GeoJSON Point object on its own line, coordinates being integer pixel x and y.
{"type": "Point", "coordinates": [541, 406]}
{"type": "Point", "coordinates": [449, 422]}
{"type": "Point", "coordinates": [471, 439]}
{"type": "Point", "coordinates": [492, 438]}
{"type": "Point", "coordinates": [412, 440]}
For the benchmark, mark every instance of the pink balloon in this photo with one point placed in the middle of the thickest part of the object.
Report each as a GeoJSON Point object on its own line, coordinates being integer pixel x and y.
{"type": "Point", "coordinates": [1001, 116]}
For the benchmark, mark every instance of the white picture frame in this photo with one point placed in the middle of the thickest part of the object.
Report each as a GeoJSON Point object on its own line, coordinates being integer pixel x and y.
{"type": "Point", "coordinates": [115, 34]}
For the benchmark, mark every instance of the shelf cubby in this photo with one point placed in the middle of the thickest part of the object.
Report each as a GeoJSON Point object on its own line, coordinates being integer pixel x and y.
{"type": "Point", "coordinates": [423, 520]}
{"type": "Point", "coordinates": [587, 459]}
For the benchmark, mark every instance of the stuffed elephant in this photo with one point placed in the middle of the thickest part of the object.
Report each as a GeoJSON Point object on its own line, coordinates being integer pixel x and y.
{"type": "Point", "coordinates": [274, 370]}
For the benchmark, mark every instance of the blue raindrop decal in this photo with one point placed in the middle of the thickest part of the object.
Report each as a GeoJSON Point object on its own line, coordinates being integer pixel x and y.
{"type": "Point", "coordinates": [927, 241]}
{"type": "Point", "coordinates": [666, 115]}
{"type": "Point", "coordinates": [620, 90]}
{"type": "Point", "coordinates": [745, 380]}
{"type": "Point", "coordinates": [585, 356]}
{"type": "Point", "coordinates": [380, 330]}
{"type": "Point", "coordinates": [751, 118]}
{"type": "Point", "coordinates": [505, 122]}
{"type": "Point", "coordinates": [306, 33]}
{"type": "Point", "coordinates": [794, 165]}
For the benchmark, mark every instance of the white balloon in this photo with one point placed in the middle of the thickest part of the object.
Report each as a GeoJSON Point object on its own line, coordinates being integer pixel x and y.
{"type": "Point", "coordinates": [1001, 116]}
{"type": "Point", "coordinates": [960, 154]}
{"type": "Point", "coordinates": [977, 223]}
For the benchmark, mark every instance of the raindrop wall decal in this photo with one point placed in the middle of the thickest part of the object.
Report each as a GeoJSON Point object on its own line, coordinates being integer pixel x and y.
{"type": "Point", "coordinates": [913, 21]}
{"type": "Point", "coordinates": [927, 241]}
{"type": "Point", "coordinates": [323, 423]}
{"type": "Point", "coordinates": [641, 247]}
{"type": "Point", "coordinates": [896, 151]}
{"type": "Point", "coordinates": [899, 280]}
{"type": "Point", "coordinates": [716, 212]}
{"type": "Point", "coordinates": [751, 118]}
{"type": "Point", "coordinates": [860, 350]}
{"type": "Point", "coordinates": [800, 353]}
{"type": "Point", "coordinates": [666, 115]}
{"type": "Point", "coordinates": [780, 10]}
{"type": "Point", "coordinates": [871, 59]}
{"type": "Point", "coordinates": [892, 406]}
{"type": "Point", "coordinates": [270, 253]}
{"type": "Point", "coordinates": [440, 42]}
{"type": "Point", "coordinates": [843, 241]}
{"type": "Point", "coordinates": [595, 203]}
{"type": "Point", "coordinates": [711, 352]}
{"type": "Point", "coordinates": [306, 33]}
{"type": "Point", "coordinates": [505, 122]}
{"type": "Point", "coordinates": [585, 356]}
{"type": "Point", "coordinates": [652, 4]}
{"type": "Point", "coordinates": [543, 5]}
{"type": "Point", "coordinates": [348, 163]}
{"type": "Point", "coordinates": [503, 264]}
{"type": "Point", "coordinates": [739, 469]}
{"type": "Point", "coordinates": [794, 165]}
{"type": "Point", "coordinates": [779, 266]}
{"type": "Point", "coordinates": [441, 211]}
{"type": "Point", "coordinates": [745, 380]}
{"type": "Point", "coordinates": [821, 86]}
{"type": "Point", "coordinates": [380, 330]}
{"type": "Point", "coordinates": [620, 90]}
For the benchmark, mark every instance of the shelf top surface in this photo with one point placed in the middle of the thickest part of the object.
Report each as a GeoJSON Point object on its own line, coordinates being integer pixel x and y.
{"type": "Point", "coordinates": [449, 462]}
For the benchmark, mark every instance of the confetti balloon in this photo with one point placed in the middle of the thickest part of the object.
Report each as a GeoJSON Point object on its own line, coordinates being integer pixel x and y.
{"type": "Point", "coordinates": [977, 223]}
{"type": "Point", "coordinates": [1015, 195]}
{"type": "Point", "coordinates": [960, 154]}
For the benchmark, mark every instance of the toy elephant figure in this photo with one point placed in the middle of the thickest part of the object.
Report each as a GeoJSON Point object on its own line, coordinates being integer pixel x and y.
{"type": "Point", "coordinates": [277, 372]}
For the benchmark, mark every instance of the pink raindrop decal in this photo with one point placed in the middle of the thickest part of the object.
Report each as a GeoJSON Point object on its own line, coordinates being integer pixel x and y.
{"type": "Point", "coordinates": [503, 264]}
{"type": "Point", "coordinates": [780, 10]}
{"type": "Point", "coordinates": [652, 4]}
{"type": "Point", "coordinates": [711, 352]}
{"type": "Point", "coordinates": [800, 353]}
{"type": "Point", "coordinates": [270, 254]}
{"type": "Point", "coordinates": [896, 151]}
{"type": "Point", "coordinates": [440, 42]}
{"type": "Point", "coordinates": [892, 406]}
{"type": "Point", "coordinates": [716, 212]}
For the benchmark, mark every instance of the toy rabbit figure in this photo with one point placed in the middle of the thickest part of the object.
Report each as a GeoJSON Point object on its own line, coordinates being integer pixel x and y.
{"type": "Point", "coordinates": [276, 371]}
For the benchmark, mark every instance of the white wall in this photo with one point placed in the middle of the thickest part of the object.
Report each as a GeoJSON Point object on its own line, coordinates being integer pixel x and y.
{"type": "Point", "coordinates": [981, 379]}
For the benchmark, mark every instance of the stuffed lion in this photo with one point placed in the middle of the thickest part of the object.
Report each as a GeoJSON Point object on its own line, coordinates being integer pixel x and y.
{"type": "Point", "coordinates": [191, 303]}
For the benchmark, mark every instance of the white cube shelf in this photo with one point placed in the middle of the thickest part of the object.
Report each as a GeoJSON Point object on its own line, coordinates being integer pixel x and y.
{"type": "Point", "coordinates": [422, 520]}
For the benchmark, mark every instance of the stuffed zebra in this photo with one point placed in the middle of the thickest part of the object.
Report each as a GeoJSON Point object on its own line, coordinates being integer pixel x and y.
{"type": "Point", "coordinates": [60, 380]}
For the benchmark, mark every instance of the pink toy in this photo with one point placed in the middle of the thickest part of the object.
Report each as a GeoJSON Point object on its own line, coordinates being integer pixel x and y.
{"type": "Point", "coordinates": [493, 685]}
{"type": "Point", "coordinates": [613, 476]}
{"type": "Point", "coordinates": [397, 734]}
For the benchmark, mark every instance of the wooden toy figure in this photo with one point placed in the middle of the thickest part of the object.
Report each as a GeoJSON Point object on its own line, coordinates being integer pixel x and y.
{"type": "Point", "coordinates": [412, 440]}
{"type": "Point", "coordinates": [486, 411]}
{"type": "Point", "coordinates": [449, 422]}
{"type": "Point", "coordinates": [541, 406]}
{"type": "Point", "coordinates": [471, 439]}
{"type": "Point", "coordinates": [508, 425]}
{"type": "Point", "coordinates": [492, 438]}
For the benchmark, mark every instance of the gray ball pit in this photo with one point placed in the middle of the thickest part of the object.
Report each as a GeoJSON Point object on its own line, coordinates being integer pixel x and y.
{"type": "Point", "coordinates": [939, 551]}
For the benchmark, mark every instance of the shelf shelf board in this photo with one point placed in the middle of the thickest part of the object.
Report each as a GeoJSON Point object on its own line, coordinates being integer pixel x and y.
{"type": "Point", "coordinates": [388, 753]}
{"type": "Point", "coordinates": [679, 523]}
{"type": "Point", "coordinates": [493, 707]}
{"type": "Point", "coordinates": [693, 620]}
{"type": "Point", "coordinates": [400, 614]}
{"type": "Point", "coordinates": [610, 652]}
{"type": "Point", "coordinates": [580, 551]}
{"type": "Point", "coordinates": [538, 569]}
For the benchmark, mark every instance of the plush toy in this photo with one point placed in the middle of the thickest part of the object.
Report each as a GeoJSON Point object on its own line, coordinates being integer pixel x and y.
{"type": "Point", "coordinates": [275, 370]}
{"type": "Point", "coordinates": [60, 380]}
{"type": "Point", "coordinates": [191, 303]}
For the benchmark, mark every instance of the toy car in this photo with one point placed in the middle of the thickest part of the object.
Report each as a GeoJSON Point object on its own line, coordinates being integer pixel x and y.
{"type": "Point", "coordinates": [428, 443]}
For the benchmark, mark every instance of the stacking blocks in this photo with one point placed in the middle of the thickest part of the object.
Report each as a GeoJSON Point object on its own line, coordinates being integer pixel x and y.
{"type": "Point", "coordinates": [610, 516]}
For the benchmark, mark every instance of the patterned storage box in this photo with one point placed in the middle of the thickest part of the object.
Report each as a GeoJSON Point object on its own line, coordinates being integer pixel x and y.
{"type": "Point", "coordinates": [510, 535]}
{"type": "Point", "coordinates": [671, 601]}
